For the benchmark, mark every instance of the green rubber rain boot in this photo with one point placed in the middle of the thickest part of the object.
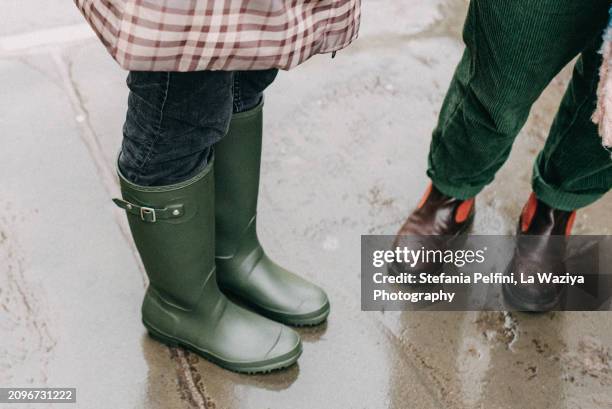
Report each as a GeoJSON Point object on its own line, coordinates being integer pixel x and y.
{"type": "Point", "coordinates": [244, 268]}
{"type": "Point", "coordinates": [173, 228]}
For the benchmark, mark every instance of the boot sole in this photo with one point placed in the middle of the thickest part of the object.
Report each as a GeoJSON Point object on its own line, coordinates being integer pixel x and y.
{"type": "Point", "coordinates": [250, 369]}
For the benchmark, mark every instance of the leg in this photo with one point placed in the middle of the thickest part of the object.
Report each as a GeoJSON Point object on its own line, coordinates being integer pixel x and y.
{"type": "Point", "coordinates": [239, 185]}
{"type": "Point", "coordinates": [513, 50]}
{"type": "Point", "coordinates": [574, 169]}
{"type": "Point", "coordinates": [243, 267]}
{"type": "Point", "coordinates": [173, 120]}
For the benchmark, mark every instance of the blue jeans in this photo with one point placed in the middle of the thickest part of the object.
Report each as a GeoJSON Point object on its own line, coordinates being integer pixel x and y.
{"type": "Point", "coordinates": [175, 118]}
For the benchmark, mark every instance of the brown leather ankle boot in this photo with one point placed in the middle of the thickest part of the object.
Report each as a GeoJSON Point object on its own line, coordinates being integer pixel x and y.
{"type": "Point", "coordinates": [436, 224]}
{"type": "Point", "coordinates": [540, 248]}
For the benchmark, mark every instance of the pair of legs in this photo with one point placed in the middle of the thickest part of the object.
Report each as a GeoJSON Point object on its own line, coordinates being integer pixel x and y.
{"type": "Point", "coordinates": [189, 174]}
{"type": "Point", "coordinates": [174, 119]}
{"type": "Point", "coordinates": [513, 51]}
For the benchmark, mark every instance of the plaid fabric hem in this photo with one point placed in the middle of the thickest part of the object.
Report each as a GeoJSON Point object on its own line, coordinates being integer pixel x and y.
{"type": "Point", "coordinates": [195, 35]}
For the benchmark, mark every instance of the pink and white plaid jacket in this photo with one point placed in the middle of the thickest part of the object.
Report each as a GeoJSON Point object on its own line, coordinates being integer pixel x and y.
{"type": "Point", "coordinates": [194, 35]}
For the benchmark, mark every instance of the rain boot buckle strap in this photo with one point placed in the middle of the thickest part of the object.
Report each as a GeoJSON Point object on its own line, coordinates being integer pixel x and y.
{"type": "Point", "coordinates": [151, 214]}
{"type": "Point", "coordinates": [148, 214]}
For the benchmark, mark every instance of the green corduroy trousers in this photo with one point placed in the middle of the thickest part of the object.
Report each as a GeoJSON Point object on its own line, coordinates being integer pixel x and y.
{"type": "Point", "coordinates": [513, 50]}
